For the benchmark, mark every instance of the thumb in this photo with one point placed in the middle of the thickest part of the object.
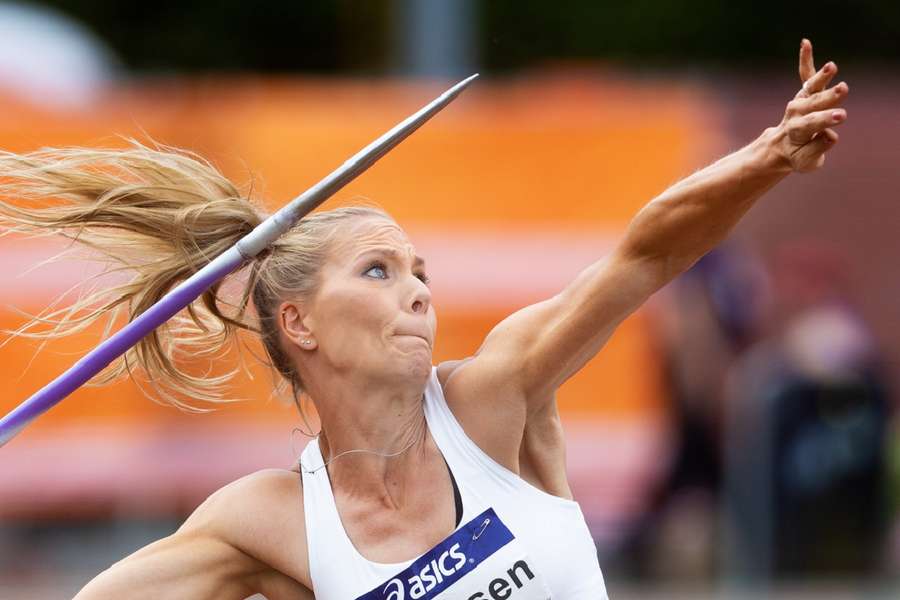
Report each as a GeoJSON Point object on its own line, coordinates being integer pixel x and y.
{"type": "Point", "coordinates": [811, 156]}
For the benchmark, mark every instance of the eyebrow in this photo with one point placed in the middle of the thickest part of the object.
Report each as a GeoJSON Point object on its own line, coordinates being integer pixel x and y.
{"type": "Point", "coordinates": [418, 261]}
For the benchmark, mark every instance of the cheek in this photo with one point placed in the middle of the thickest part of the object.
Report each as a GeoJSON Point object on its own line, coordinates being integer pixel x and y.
{"type": "Point", "coordinates": [356, 316]}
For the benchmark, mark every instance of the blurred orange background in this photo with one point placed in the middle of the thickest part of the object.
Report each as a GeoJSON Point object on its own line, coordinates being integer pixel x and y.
{"type": "Point", "coordinates": [507, 194]}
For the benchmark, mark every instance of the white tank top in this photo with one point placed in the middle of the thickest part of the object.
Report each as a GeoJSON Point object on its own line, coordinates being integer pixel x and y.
{"type": "Point", "coordinates": [513, 542]}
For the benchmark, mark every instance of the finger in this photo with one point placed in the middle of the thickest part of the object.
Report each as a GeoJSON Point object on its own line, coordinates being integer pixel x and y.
{"type": "Point", "coordinates": [802, 129]}
{"type": "Point", "coordinates": [832, 135]}
{"type": "Point", "coordinates": [820, 80]}
{"type": "Point", "coordinates": [812, 155]}
{"type": "Point", "coordinates": [830, 98]}
{"type": "Point", "coordinates": [807, 67]}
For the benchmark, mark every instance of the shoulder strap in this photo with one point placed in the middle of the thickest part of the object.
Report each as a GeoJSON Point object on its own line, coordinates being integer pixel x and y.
{"type": "Point", "coordinates": [467, 460]}
{"type": "Point", "coordinates": [325, 537]}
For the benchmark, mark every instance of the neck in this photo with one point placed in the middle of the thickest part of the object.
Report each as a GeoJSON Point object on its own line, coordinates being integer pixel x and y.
{"type": "Point", "coordinates": [373, 437]}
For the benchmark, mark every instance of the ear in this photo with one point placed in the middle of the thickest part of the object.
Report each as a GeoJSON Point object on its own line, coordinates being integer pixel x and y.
{"type": "Point", "coordinates": [296, 325]}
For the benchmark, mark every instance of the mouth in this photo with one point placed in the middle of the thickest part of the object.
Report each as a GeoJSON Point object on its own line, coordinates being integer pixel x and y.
{"type": "Point", "coordinates": [414, 336]}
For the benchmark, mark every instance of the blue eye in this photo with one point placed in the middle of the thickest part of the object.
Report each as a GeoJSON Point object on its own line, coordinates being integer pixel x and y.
{"type": "Point", "coordinates": [377, 271]}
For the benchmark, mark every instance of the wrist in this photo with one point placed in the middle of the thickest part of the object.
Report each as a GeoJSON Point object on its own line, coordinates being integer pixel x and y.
{"type": "Point", "coordinates": [768, 152]}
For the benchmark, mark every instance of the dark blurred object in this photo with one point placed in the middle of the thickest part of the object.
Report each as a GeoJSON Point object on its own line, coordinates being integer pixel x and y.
{"type": "Point", "coordinates": [703, 320]}
{"type": "Point", "coordinates": [746, 32]}
{"type": "Point", "coordinates": [779, 412]}
{"type": "Point", "coordinates": [808, 411]}
{"type": "Point", "coordinates": [231, 35]}
{"type": "Point", "coordinates": [368, 37]}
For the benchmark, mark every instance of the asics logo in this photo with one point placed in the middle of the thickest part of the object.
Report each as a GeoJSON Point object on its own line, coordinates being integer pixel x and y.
{"type": "Point", "coordinates": [438, 570]}
{"type": "Point", "coordinates": [431, 575]}
{"type": "Point", "coordinates": [397, 592]}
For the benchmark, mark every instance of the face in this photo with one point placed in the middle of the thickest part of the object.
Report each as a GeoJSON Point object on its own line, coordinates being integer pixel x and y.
{"type": "Point", "coordinates": [372, 313]}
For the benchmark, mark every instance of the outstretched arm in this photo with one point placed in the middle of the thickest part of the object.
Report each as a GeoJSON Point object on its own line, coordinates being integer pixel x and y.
{"type": "Point", "coordinates": [531, 353]}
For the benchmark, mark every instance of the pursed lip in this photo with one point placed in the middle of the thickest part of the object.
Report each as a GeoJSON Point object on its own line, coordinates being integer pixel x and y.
{"type": "Point", "coordinates": [415, 335]}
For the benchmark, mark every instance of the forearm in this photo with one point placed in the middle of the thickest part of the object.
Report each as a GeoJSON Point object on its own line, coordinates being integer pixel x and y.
{"type": "Point", "coordinates": [687, 220]}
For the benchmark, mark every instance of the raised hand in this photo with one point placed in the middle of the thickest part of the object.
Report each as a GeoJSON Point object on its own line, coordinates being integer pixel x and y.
{"type": "Point", "coordinates": [806, 132]}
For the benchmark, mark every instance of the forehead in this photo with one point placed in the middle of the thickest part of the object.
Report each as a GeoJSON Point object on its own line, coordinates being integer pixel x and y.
{"type": "Point", "coordinates": [370, 234]}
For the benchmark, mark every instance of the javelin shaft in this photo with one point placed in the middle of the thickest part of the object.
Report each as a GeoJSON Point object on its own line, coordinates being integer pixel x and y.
{"type": "Point", "coordinates": [230, 260]}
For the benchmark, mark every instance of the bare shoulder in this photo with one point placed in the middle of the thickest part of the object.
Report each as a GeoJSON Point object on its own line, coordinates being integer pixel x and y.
{"type": "Point", "coordinates": [270, 489]}
{"type": "Point", "coordinates": [446, 369]}
{"type": "Point", "coordinates": [260, 514]}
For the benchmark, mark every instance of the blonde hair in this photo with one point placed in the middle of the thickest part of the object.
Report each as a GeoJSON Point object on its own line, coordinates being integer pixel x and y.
{"type": "Point", "coordinates": [159, 214]}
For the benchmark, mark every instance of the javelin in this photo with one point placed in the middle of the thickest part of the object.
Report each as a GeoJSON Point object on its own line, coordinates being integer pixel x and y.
{"type": "Point", "coordinates": [246, 248]}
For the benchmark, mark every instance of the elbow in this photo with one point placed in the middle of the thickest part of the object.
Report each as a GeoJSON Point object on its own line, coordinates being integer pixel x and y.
{"type": "Point", "coordinates": [655, 269]}
{"type": "Point", "coordinates": [648, 239]}
{"type": "Point", "coordinates": [660, 239]}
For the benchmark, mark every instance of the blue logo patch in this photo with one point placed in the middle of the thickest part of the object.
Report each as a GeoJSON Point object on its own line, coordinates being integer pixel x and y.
{"type": "Point", "coordinates": [440, 567]}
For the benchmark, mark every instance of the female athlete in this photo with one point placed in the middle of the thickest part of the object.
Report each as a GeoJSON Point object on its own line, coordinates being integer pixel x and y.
{"type": "Point", "coordinates": [425, 482]}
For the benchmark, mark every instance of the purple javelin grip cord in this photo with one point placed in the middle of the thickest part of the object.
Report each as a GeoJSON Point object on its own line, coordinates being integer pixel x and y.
{"type": "Point", "coordinates": [186, 292]}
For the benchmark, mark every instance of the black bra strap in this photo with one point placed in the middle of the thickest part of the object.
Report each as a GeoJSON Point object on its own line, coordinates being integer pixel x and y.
{"type": "Point", "coordinates": [457, 498]}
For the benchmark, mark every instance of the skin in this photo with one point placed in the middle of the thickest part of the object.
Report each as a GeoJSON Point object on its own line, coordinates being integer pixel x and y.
{"type": "Point", "coordinates": [370, 329]}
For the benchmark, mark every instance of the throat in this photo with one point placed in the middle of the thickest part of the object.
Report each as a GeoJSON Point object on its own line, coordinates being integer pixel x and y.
{"type": "Point", "coordinates": [407, 516]}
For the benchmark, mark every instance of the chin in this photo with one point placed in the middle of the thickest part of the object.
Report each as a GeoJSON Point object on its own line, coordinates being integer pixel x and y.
{"type": "Point", "coordinates": [417, 366]}
{"type": "Point", "coordinates": [422, 369]}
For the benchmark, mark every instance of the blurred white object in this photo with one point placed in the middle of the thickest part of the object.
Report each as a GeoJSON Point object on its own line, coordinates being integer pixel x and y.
{"type": "Point", "coordinates": [49, 59]}
{"type": "Point", "coordinates": [829, 343]}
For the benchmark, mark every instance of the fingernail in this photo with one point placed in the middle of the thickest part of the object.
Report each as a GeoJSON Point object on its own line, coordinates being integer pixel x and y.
{"type": "Point", "coordinates": [837, 116]}
{"type": "Point", "coordinates": [827, 68]}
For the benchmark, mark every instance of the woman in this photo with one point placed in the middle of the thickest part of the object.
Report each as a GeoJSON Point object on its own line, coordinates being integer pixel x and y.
{"type": "Point", "coordinates": [425, 482]}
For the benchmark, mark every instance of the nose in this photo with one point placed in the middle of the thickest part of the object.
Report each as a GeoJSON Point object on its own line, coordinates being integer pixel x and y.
{"type": "Point", "coordinates": [421, 298]}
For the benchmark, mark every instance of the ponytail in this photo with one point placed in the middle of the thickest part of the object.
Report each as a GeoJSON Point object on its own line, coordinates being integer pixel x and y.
{"type": "Point", "coordinates": [156, 215]}
{"type": "Point", "coordinates": [159, 215]}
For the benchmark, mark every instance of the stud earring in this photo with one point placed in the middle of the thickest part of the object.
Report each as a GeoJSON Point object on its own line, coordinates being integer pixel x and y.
{"type": "Point", "coordinates": [306, 342]}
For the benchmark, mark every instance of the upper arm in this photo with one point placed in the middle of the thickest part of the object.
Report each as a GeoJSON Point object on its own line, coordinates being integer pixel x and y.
{"type": "Point", "coordinates": [536, 349]}
{"type": "Point", "coordinates": [191, 565]}
{"type": "Point", "coordinates": [528, 355]}
{"type": "Point", "coordinates": [240, 541]}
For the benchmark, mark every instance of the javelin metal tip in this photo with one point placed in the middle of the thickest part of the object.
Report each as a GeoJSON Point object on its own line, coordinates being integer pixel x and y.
{"type": "Point", "coordinates": [456, 89]}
